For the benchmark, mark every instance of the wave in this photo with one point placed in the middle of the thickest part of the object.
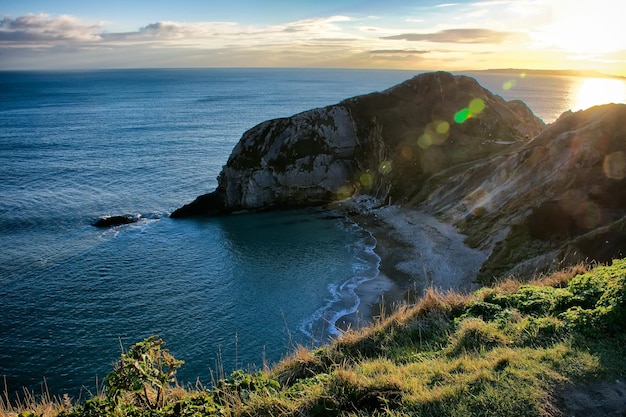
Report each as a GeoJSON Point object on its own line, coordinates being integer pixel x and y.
{"type": "Point", "coordinates": [343, 299]}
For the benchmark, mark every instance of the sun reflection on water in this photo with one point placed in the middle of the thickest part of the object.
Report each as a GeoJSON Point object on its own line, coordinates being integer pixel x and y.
{"type": "Point", "coordinates": [595, 91]}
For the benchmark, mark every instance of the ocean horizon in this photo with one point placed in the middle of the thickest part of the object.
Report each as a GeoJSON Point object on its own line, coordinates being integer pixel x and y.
{"type": "Point", "coordinates": [224, 293]}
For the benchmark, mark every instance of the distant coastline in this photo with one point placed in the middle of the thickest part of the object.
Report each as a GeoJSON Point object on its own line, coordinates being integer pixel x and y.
{"type": "Point", "coordinates": [568, 73]}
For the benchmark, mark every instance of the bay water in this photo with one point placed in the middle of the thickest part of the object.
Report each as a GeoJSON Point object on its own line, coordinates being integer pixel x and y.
{"type": "Point", "coordinates": [224, 293]}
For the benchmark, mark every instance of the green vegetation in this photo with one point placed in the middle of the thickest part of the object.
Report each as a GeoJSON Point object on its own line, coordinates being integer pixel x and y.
{"type": "Point", "coordinates": [506, 350]}
{"type": "Point", "coordinates": [145, 372]}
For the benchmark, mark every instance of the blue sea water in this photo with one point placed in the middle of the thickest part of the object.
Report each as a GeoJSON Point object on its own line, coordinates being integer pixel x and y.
{"type": "Point", "coordinates": [224, 293]}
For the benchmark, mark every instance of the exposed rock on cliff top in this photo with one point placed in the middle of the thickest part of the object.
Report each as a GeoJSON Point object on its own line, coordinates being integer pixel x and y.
{"type": "Point", "coordinates": [383, 144]}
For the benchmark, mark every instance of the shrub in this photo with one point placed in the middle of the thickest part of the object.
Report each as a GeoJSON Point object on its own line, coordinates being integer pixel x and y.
{"type": "Point", "coordinates": [193, 406]}
{"type": "Point", "coordinates": [536, 300]}
{"type": "Point", "coordinates": [604, 307]}
{"type": "Point", "coordinates": [244, 384]}
{"type": "Point", "coordinates": [539, 332]}
{"type": "Point", "coordinates": [483, 309]}
{"type": "Point", "coordinates": [144, 370]}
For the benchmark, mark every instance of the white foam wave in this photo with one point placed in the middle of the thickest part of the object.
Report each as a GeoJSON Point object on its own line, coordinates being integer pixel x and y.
{"type": "Point", "coordinates": [343, 299]}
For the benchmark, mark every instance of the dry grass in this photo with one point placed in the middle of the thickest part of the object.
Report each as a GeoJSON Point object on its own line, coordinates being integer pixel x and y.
{"type": "Point", "coordinates": [46, 405]}
{"type": "Point", "coordinates": [561, 278]}
{"type": "Point", "coordinates": [43, 405]}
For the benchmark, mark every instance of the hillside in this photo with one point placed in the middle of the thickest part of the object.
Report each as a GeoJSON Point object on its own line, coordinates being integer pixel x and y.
{"type": "Point", "coordinates": [538, 348]}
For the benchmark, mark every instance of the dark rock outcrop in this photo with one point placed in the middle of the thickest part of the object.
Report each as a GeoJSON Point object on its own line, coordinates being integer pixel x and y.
{"type": "Point", "coordinates": [118, 220]}
{"type": "Point", "coordinates": [383, 144]}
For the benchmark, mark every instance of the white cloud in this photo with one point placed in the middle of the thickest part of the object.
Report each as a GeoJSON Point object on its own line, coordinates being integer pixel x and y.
{"type": "Point", "coordinates": [41, 28]}
{"type": "Point", "coordinates": [463, 36]}
{"type": "Point", "coordinates": [67, 40]}
{"type": "Point", "coordinates": [174, 32]}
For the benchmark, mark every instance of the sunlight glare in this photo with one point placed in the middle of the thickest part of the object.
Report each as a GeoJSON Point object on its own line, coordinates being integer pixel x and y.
{"type": "Point", "coordinates": [586, 27]}
{"type": "Point", "coordinates": [596, 91]}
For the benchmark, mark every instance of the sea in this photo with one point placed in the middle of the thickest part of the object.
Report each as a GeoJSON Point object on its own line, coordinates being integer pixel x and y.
{"type": "Point", "coordinates": [223, 293]}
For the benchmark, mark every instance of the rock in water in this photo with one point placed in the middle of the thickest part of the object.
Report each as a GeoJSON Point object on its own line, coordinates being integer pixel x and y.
{"type": "Point", "coordinates": [111, 221]}
{"type": "Point", "coordinates": [384, 144]}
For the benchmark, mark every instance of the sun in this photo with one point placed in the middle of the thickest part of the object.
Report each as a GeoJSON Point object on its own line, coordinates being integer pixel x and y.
{"type": "Point", "coordinates": [596, 91]}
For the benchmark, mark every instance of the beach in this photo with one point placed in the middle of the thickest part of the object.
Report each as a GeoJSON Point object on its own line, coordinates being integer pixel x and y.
{"type": "Point", "coordinates": [417, 252]}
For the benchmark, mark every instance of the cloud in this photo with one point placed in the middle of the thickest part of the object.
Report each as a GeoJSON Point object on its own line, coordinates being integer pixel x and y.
{"type": "Point", "coordinates": [43, 30]}
{"type": "Point", "coordinates": [166, 31]}
{"type": "Point", "coordinates": [217, 34]}
{"type": "Point", "coordinates": [398, 52]}
{"type": "Point", "coordinates": [38, 28]}
{"type": "Point", "coordinates": [472, 36]}
{"type": "Point", "coordinates": [33, 40]}
{"type": "Point", "coordinates": [503, 29]}
{"type": "Point", "coordinates": [319, 25]}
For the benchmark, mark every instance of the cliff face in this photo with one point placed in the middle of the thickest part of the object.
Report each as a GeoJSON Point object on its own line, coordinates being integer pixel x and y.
{"type": "Point", "coordinates": [383, 144]}
{"type": "Point", "coordinates": [560, 199]}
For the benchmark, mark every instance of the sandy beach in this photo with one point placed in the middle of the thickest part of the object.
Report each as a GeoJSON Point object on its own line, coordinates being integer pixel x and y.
{"type": "Point", "coordinates": [417, 252]}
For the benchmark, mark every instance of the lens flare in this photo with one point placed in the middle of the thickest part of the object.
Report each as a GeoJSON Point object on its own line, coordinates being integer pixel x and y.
{"type": "Point", "coordinates": [443, 127]}
{"type": "Point", "coordinates": [366, 180]}
{"type": "Point", "coordinates": [425, 141]}
{"type": "Point", "coordinates": [462, 115]}
{"type": "Point", "coordinates": [406, 153]}
{"type": "Point", "coordinates": [436, 133]}
{"type": "Point", "coordinates": [476, 106]}
{"type": "Point", "coordinates": [614, 165]}
{"type": "Point", "coordinates": [509, 84]}
{"type": "Point", "coordinates": [385, 167]}
{"type": "Point", "coordinates": [344, 192]}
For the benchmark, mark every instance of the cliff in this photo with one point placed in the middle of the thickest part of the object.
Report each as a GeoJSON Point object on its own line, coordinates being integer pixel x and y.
{"type": "Point", "coordinates": [383, 144]}
{"type": "Point", "coordinates": [558, 200]}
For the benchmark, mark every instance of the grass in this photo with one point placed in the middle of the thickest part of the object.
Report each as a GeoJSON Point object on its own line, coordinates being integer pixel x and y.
{"type": "Point", "coordinates": [505, 350]}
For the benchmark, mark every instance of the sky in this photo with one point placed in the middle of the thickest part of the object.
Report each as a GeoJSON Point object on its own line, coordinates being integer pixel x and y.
{"type": "Point", "coordinates": [388, 34]}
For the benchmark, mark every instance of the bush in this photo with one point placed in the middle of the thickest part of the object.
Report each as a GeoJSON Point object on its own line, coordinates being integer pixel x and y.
{"type": "Point", "coordinates": [539, 332]}
{"type": "Point", "coordinates": [244, 384]}
{"type": "Point", "coordinates": [537, 300]}
{"type": "Point", "coordinates": [146, 370]}
{"type": "Point", "coordinates": [604, 307]}
{"type": "Point", "coordinates": [483, 309]}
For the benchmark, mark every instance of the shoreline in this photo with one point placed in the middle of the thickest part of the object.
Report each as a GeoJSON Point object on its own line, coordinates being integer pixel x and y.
{"type": "Point", "coordinates": [417, 252]}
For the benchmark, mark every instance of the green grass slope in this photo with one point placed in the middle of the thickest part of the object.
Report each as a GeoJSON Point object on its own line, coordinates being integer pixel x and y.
{"type": "Point", "coordinates": [514, 349]}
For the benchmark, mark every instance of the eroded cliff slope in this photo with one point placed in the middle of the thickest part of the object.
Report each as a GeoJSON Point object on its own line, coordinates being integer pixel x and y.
{"type": "Point", "coordinates": [558, 200]}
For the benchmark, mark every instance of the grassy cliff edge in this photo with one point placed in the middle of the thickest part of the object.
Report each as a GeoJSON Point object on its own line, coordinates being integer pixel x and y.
{"type": "Point", "coordinates": [513, 349]}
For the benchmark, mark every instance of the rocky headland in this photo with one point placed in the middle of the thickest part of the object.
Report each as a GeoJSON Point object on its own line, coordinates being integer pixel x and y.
{"type": "Point", "coordinates": [437, 157]}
